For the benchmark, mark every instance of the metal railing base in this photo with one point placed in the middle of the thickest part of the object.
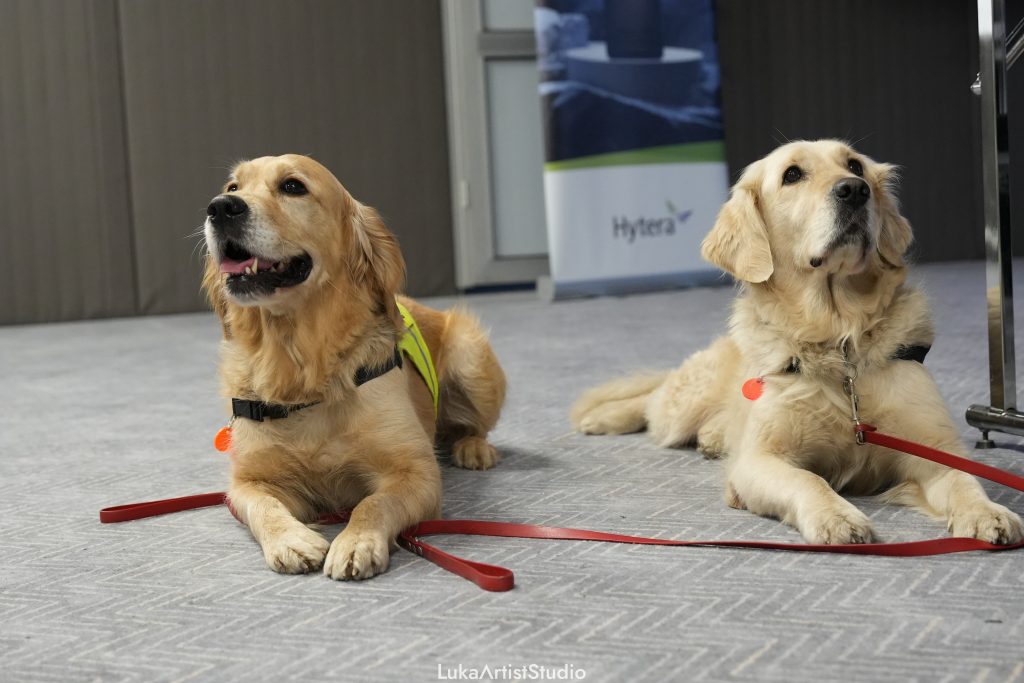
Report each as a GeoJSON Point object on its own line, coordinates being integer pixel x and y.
{"type": "Point", "coordinates": [989, 419]}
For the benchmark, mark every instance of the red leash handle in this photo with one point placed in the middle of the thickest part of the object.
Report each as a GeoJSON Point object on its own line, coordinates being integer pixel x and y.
{"type": "Point", "coordinates": [496, 579]}
{"type": "Point", "coordinates": [490, 577]}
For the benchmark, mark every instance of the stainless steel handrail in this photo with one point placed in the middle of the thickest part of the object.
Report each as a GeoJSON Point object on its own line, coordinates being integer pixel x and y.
{"type": "Point", "coordinates": [1014, 44]}
{"type": "Point", "coordinates": [994, 59]}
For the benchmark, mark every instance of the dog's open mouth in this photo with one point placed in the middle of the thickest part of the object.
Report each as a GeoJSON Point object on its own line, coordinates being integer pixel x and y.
{"type": "Point", "coordinates": [252, 275]}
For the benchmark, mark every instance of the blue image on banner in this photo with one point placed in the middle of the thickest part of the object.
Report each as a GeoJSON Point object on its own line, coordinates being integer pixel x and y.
{"type": "Point", "coordinates": [620, 75]}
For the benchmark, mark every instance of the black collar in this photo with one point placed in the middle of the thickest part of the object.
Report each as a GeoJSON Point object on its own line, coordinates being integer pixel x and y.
{"type": "Point", "coordinates": [261, 410]}
{"type": "Point", "coordinates": [915, 353]}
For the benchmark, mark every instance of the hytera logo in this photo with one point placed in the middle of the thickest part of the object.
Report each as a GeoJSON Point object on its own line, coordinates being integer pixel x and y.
{"type": "Point", "coordinates": [630, 230]}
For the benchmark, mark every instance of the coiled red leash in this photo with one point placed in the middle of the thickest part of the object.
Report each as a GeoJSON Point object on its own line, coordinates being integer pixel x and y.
{"type": "Point", "coordinates": [494, 578]}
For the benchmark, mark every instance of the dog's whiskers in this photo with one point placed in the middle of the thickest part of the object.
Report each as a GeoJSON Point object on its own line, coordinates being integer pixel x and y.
{"type": "Point", "coordinates": [334, 287]}
{"type": "Point", "coordinates": [861, 139]}
{"type": "Point", "coordinates": [201, 230]}
{"type": "Point", "coordinates": [199, 233]}
{"type": "Point", "coordinates": [200, 243]}
{"type": "Point", "coordinates": [784, 139]}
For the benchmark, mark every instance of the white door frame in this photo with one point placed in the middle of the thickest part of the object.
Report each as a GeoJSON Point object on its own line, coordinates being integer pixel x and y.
{"type": "Point", "coordinates": [467, 48]}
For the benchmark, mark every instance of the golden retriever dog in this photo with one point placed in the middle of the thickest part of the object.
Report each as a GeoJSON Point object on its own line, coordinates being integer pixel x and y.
{"type": "Point", "coordinates": [814, 236]}
{"type": "Point", "coordinates": [304, 279]}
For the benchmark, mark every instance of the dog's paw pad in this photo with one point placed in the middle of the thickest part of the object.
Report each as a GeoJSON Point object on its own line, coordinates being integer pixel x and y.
{"type": "Point", "coordinates": [296, 551]}
{"type": "Point", "coordinates": [474, 453]}
{"type": "Point", "coordinates": [992, 523]}
{"type": "Point", "coordinates": [357, 555]}
{"type": "Point", "coordinates": [832, 528]}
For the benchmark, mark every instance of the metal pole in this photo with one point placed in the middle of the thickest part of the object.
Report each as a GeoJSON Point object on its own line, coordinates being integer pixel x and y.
{"type": "Point", "coordinates": [1001, 415]}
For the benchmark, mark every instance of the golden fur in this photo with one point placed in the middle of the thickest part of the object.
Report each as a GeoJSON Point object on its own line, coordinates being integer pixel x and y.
{"type": "Point", "coordinates": [804, 294]}
{"type": "Point", "coordinates": [369, 448]}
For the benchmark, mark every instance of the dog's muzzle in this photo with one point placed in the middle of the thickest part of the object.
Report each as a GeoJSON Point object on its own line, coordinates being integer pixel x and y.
{"type": "Point", "coordinates": [228, 214]}
{"type": "Point", "coordinates": [249, 274]}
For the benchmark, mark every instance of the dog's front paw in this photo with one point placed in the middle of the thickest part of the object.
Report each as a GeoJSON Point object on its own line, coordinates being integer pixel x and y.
{"type": "Point", "coordinates": [987, 522]}
{"type": "Point", "coordinates": [474, 453]}
{"type": "Point", "coordinates": [297, 550]}
{"type": "Point", "coordinates": [834, 526]}
{"type": "Point", "coordinates": [357, 555]}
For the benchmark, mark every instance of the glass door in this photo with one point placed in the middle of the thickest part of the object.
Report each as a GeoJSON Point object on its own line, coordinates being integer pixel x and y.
{"type": "Point", "coordinates": [496, 142]}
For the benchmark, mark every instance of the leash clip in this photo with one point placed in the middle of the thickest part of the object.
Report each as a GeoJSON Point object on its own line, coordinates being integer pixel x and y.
{"type": "Point", "coordinates": [851, 390]}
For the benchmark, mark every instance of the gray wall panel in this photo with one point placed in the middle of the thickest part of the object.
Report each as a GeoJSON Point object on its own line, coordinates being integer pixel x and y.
{"type": "Point", "coordinates": [358, 85]}
{"type": "Point", "coordinates": [65, 248]}
{"type": "Point", "coordinates": [891, 76]}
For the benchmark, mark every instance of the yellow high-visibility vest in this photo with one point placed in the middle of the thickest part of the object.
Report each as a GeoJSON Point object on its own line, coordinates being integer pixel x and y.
{"type": "Point", "coordinates": [414, 347]}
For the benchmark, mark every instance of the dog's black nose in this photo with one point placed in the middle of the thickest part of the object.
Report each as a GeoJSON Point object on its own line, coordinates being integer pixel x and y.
{"type": "Point", "coordinates": [853, 192]}
{"type": "Point", "coordinates": [226, 209]}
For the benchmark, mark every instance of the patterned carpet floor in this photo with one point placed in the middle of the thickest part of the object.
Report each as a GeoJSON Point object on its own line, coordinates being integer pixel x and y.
{"type": "Point", "coordinates": [99, 413]}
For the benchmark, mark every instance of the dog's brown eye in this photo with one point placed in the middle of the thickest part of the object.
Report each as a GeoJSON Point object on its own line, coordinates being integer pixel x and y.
{"type": "Point", "coordinates": [855, 167]}
{"type": "Point", "coordinates": [293, 186]}
{"type": "Point", "coordinates": [233, 187]}
{"type": "Point", "coordinates": [793, 174]}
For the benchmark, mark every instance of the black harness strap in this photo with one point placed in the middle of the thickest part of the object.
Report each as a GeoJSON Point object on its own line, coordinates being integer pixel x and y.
{"type": "Point", "coordinates": [366, 373]}
{"type": "Point", "coordinates": [915, 353]}
{"type": "Point", "coordinates": [261, 410]}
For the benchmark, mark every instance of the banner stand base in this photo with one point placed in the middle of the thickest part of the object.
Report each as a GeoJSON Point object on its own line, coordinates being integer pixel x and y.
{"type": "Point", "coordinates": [548, 290]}
{"type": "Point", "coordinates": [545, 289]}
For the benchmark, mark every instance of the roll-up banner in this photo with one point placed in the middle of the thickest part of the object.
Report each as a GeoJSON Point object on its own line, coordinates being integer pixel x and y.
{"type": "Point", "coordinates": [635, 161]}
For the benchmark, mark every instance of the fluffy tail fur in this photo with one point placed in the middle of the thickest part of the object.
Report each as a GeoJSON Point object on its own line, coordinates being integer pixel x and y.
{"type": "Point", "coordinates": [617, 407]}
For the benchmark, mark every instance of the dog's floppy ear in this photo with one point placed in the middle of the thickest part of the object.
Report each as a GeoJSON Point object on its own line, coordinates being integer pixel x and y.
{"type": "Point", "coordinates": [738, 242]}
{"type": "Point", "coordinates": [894, 235]}
{"type": "Point", "coordinates": [378, 260]}
{"type": "Point", "coordinates": [213, 286]}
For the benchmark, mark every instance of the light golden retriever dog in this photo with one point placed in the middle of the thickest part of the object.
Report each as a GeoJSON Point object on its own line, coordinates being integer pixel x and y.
{"type": "Point", "coordinates": [304, 279]}
{"type": "Point", "coordinates": [814, 236]}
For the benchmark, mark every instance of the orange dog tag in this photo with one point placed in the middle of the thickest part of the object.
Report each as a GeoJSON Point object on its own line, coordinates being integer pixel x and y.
{"type": "Point", "coordinates": [222, 442]}
{"type": "Point", "coordinates": [753, 388]}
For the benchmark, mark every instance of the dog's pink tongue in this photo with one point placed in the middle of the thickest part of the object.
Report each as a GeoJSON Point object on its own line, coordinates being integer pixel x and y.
{"type": "Point", "coordinates": [235, 267]}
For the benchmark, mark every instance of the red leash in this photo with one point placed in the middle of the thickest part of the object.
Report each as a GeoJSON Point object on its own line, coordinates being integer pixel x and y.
{"type": "Point", "coordinates": [872, 435]}
{"type": "Point", "coordinates": [494, 578]}
{"type": "Point", "coordinates": [126, 513]}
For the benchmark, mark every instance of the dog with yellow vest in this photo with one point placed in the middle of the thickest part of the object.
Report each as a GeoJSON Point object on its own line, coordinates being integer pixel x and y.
{"type": "Point", "coordinates": [340, 390]}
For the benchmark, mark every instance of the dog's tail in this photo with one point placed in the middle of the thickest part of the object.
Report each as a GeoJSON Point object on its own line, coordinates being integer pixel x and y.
{"type": "Point", "coordinates": [617, 407]}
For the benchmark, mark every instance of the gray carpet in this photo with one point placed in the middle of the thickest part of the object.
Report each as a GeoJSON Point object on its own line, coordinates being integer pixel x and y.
{"type": "Point", "coordinates": [98, 413]}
